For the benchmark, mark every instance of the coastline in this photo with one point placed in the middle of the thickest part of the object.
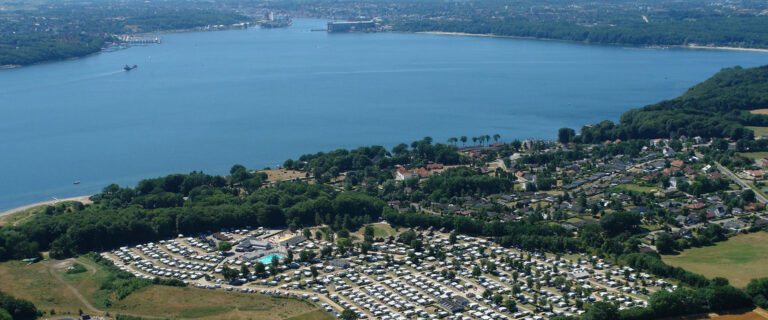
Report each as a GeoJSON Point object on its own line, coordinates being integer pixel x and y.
{"type": "Point", "coordinates": [445, 33]}
{"type": "Point", "coordinates": [83, 199]}
{"type": "Point", "coordinates": [16, 66]}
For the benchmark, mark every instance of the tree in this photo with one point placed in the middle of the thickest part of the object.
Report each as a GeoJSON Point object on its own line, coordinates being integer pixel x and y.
{"type": "Point", "coordinates": [348, 314]}
{"type": "Point", "coordinates": [757, 289]}
{"type": "Point", "coordinates": [496, 137]}
{"type": "Point", "coordinates": [601, 311]}
{"type": "Point", "coordinates": [307, 233]}
{"type": "Point", "coordinates": [463, 140]}
{"type": "Point", "coordinates": [259, 268]}
{"type": "Point", "coordinates": [4, 315]}
{"type": "Point", "coordinates": [564, 135]}
{"type": "Point", "coordinates": [618, 222]}
{"type": "Point", "coordinates": [313, 269]}
{"type": "Point", "coordinates": [224, 246]}
{"type": "Point", "coordinates": [665, 244]}
{"type": "Point", "coordinates": [476, 271]}
{"type": "Point", "coordinates": [452, 238]}
{"type": "Point", "coordinates": [748, 196]}
{"type": "Point", "coordinates": [229, 274]}
{"type": "Point", "coordinates": [244, 270]}
{"type": "Point", "coordinates": [510, 304]}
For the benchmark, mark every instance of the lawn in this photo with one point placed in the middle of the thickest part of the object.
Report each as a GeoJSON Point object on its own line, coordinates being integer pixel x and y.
{"type": "Point", "coordinates": [740, 259]}
{"type": "Point", "coordinates": [634, 188]}
{"type": "Point", "coordinates": [47, 285]}
{"type": "Point", "coordinates": [754, 155]}
{"type": "Point", "coordinates": [380, 230]}
{"type": "Point", "coordinates": [314, 315]}
{"type": "Point", "coordinates": [759, 131]}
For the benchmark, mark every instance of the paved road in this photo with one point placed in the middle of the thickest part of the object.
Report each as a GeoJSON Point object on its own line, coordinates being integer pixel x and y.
{"type": "Point", "coordinates": [740, 182]}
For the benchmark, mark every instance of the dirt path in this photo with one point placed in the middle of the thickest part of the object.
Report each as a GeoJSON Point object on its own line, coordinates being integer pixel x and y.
{"type": "Point", "coordinates": [52, 270]}
{"type": "Point", "coordinates": [74, 291]}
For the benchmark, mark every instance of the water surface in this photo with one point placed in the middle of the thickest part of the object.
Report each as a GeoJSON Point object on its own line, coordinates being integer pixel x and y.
{"type": "Point", "coordinates": [204, 101]}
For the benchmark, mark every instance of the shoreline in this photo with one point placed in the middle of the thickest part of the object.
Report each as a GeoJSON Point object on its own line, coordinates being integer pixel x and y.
{"type": "Point", "coordinates": [83, 199]}
{"type": "Point", "coordinates": [17, 66]}
{"type": "Point", "coordinates": [488, 35]}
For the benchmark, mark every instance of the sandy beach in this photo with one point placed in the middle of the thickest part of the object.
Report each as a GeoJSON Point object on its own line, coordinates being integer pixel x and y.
{"type": "Point", "coordinates": [83, 199]}
{"type": "Point", "coordinates": [514, 37]}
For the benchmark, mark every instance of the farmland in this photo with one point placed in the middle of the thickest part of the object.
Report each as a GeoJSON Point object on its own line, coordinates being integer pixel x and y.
{"type": "Point", "coordinates": [739, 259]}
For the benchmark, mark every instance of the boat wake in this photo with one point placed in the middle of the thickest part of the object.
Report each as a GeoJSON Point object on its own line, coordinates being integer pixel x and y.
{"type": "Point", "coordinates": [386, 71]}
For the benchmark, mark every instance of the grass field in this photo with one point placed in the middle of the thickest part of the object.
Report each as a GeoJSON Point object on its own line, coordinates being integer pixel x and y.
{"type": "Point", "coordinates": [48, 286]}
{"type": "Point", "coordinates": [283, 174]}
{"type": "Point", "coordinates": [635, 188]}
{"type": "Point", "coordinates": [754, 155]}
{"type": "Point", "coordinates": [380, 230]}
{"type": "Point", "coordinates": [36, 284]}
{"type": "Point", "coordinates": [740, 259]}
{"type": "Point", "coordinates": [20, 216]}
{"type": "Point", "coordinates": [173, 302]}
{"type": "Point", "coordinates": [314, 315]}
{"type": "Point", "coordinates": [14, 218]}
{"type": "Point", "coordinates": [759, 131]}
{"type": "Point", "coordinates": [756, 314]}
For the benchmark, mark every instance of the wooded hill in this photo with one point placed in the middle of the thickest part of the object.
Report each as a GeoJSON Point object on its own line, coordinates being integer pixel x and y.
{"type": "Point", "coordinates": [717, 107]}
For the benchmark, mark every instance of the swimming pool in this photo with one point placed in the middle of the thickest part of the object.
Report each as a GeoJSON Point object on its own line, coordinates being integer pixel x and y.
{"type": "Point", "coordinates": [268, 259]}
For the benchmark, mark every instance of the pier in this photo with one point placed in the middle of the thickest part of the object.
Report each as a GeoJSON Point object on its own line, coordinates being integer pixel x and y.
{"type": "Point", "coordinates": [140, 40]}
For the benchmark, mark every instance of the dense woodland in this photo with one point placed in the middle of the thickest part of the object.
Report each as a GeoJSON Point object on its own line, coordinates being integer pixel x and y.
{"type": "Point", "coordinates": [714, 30]}
{"type": "Point", "coordinates": [717, 107]}
{"type": "Point", "coordinates": [68, 30]}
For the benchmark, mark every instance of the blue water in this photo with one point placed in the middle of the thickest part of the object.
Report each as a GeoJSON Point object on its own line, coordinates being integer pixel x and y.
{"type": "Point", "coordinates": [205, 101]}
{"type": "Point", "coordinates": [268, 259]}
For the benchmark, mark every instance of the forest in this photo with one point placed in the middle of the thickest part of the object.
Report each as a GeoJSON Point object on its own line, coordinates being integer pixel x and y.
{"type": "Point", "coordinates": [71, 29]}
{"type": "Point", "coordinates": [154, 210]}
{"type": "Point", "coordinates": [717, 31]}
{"type": "Point", "coordinates": [717, 107]}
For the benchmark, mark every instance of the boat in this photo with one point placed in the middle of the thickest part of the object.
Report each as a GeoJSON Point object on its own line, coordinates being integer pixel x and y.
{"type": "Point", "coordinates": [77, 182]}
{"type": "Point", "coordinates": [129, 68]}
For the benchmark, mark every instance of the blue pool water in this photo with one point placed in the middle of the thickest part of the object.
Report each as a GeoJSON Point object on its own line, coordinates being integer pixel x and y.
{"type": "Point", "coordinates": [268, 259]}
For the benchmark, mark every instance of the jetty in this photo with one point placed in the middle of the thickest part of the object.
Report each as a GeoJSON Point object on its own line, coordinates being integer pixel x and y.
{"type": "Point", "coordinates": [140, 40]}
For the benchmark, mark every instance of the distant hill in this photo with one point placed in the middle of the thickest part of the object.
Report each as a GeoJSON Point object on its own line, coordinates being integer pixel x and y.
{"type": "Point", "coordinates": [717, 107]}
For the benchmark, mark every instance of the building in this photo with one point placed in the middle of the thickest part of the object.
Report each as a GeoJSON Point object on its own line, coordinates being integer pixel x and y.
{"type": "Point", "coordinates": [292, 241]}
{"type": "Point", "coordinates": [340, 263]}
{"type": "Point", "coordinates": [454, 304]}
{"type": "Point", "coordinates": [253, 244]}
{"type": "Point", "coordinates": [579, 274]}
{"type": "Point", "coordinates": [352, 26]}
